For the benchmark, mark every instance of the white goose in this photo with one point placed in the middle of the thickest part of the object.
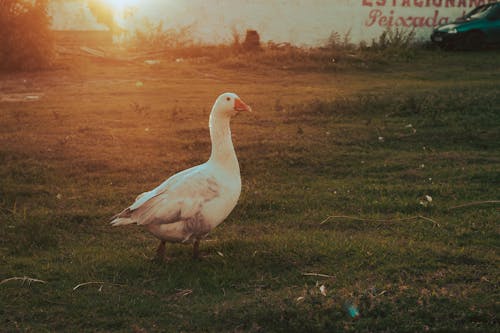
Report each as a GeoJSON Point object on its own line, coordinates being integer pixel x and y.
{"type": "Point", "coordinates": [185, 207]}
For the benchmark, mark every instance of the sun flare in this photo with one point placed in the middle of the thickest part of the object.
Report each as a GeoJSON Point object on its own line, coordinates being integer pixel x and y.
{"type": "Point", "coordinates": [120, 5]}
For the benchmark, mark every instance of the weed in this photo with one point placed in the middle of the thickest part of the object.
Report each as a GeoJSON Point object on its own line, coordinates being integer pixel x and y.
{"type": "Point", "coordinates": [22, 234]}
{"type": "Point", "coordinates": [139, 109]}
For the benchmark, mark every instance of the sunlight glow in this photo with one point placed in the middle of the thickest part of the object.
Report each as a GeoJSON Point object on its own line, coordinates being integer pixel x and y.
{"type": "Point", "coordinates": [121, 5]}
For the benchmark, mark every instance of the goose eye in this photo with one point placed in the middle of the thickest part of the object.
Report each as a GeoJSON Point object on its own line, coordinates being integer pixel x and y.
{"type": "Point", "coordinates": [228, 99]}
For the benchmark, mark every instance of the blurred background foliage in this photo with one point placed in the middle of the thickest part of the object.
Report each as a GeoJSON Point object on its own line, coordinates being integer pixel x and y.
{"type": "Point", "coordinates": [25, 36]}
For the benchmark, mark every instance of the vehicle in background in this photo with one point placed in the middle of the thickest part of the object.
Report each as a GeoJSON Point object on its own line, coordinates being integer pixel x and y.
{"type": "Point", "coordinates": [476, 29]}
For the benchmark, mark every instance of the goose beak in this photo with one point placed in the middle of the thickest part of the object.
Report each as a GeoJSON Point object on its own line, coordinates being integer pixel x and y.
{"type": "Point", "coordinates": [239, 106]}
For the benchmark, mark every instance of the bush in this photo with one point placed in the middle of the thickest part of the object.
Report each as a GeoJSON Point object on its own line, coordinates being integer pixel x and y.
{"type": "Point", "coordinates": [339, 41]}
{"type": "Point", "coordinates": [395, 39]}
{"type": "Point", "coordinates": [395, 44]}
{"type": "Point", "coordinates": [25, 36]}
{"type": "Point", "coordinates": [153, 36]}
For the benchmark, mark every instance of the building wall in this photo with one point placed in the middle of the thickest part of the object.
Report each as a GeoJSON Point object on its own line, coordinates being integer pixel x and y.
{"type": "Point", "coordinates": [302, 22]}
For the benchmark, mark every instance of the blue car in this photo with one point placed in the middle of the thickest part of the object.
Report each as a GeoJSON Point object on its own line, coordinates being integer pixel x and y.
{"type": "Point", "coordinates": [476, 29]}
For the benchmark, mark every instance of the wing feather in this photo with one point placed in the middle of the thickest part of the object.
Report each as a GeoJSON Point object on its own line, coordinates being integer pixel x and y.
{"type": "Point", "coordinates": [180, 197]}
{"type": "Point", "coordinates": [163, 187]}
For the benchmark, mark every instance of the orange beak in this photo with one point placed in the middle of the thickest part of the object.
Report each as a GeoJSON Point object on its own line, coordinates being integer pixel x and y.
{"type": "Point", "coordinates": [239, 105]}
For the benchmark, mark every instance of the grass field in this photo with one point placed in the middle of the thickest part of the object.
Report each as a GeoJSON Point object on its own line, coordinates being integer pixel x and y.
{"type": "Point", "coordinates": [339, 163]}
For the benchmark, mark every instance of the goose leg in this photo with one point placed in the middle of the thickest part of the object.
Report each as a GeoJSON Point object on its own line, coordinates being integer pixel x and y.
{"type": "Point", "coordinates": [196, 246]}
{"type": "Point", "coordinates": [160, 252]}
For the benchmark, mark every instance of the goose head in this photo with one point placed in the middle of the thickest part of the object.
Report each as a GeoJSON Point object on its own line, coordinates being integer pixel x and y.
{"type": "Point", "coordinates": [229, 105]}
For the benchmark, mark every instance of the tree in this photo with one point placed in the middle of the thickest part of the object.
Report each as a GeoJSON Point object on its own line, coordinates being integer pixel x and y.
{"type": "Point", "coordinates": [26, 41]}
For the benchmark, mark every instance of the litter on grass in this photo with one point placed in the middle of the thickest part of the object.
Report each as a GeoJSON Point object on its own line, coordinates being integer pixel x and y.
{"type": "Point", "coordinates": [322, 290]}
{"type": "Point", "coordinates": [352, 310]}
{"type": "Point", "coordinates": [152, 62]}
{"type": "Point", "coordinates": [21, 97]}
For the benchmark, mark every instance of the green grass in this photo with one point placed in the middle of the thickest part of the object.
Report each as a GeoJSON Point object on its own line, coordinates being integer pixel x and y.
{"type": "Point", "coordinates": [318, 145]}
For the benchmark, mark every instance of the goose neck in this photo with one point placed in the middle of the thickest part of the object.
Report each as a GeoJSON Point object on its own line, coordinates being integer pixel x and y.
{"type": "Point", "coordinates": [222, 145]}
